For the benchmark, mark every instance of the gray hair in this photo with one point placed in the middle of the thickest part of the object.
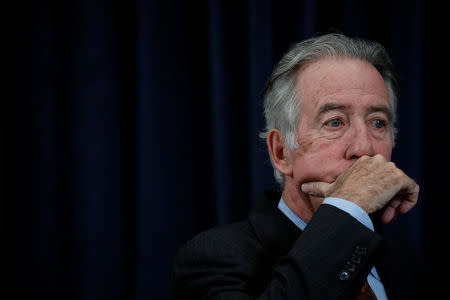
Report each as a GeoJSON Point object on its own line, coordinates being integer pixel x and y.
{"type": "Point", "coordinates": [282, 105]}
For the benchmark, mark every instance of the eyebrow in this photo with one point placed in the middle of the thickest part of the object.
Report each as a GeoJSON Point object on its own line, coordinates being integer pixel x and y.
{"type": "Point", "coordinates": [382, 108]}
{"type": "Point", "coordinates": [335, 106]}
{"type": "Point", "coordinates": [331, 106]}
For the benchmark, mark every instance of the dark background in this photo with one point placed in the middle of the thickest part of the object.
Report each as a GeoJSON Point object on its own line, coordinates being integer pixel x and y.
{"type": "Point", "coordinates": [129, 126]}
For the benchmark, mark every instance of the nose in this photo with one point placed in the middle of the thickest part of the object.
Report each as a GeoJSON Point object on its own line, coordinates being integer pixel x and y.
{"type": "Point", "coordinates": [359, 142]}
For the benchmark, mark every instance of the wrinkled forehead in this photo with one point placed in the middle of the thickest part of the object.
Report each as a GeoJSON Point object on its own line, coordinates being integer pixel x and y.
{"type": "Point", "coordinates": [338, 77]}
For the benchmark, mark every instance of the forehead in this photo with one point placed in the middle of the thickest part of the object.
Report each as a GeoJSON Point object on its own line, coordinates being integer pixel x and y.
{"type": "Point", "coordinates": [341, 80]}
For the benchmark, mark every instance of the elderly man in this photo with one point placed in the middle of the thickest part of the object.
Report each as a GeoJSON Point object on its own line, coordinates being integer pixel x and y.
{"type": "Point", "coordinates": [330, 107]}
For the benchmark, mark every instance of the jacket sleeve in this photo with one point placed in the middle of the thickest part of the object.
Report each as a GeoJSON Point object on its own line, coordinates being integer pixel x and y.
{"type": "Point", "coordinates": [330, 260]}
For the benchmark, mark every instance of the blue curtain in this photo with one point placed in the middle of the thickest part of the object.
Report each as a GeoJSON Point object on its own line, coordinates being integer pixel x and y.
{"type": "Point", "coordinates": [130, 126]}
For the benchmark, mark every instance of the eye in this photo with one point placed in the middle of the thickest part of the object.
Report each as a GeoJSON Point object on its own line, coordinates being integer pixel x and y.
{"type": "Point", "coordinates": [335, 123]}
{"type": "Point", "coordinates": [377, 123]}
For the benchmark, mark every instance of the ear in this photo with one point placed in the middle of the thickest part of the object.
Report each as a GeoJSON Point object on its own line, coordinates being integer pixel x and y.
{"type": "Point", "coordinates": [279, 152]}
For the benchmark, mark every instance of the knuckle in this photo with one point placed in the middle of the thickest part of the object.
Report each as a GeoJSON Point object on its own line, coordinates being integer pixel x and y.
{"type": "Point", "coordinates": [379, 158]}
{"type": "Point", "coordinates": [364, 158]}
{"type": "Point", "coordinates": [415, 187]}
{"type": "Point", "coordinates": [316, 186]}
{"type": "Point", "coordinates": [391, 165]}
{"type": "Point", "coordinates": [398, 172]}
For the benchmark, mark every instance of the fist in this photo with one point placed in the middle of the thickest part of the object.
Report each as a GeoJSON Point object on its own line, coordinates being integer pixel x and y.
{"type": "Point", "coordinates": [371, 183]}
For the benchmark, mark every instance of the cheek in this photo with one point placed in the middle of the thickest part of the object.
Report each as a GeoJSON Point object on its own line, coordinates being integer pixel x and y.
{"type": "Point", "coordinates": [317, 141]}
{"type": "Point", "coordinates": [318, 148]}
{"type": "Point", "coordinates": [317, 159]}
{"type": "Point", "coordinates": [384, 149]}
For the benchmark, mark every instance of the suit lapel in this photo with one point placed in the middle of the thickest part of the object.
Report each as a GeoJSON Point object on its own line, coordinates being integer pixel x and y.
{"type": "Point", "coordinates": [275, 231]}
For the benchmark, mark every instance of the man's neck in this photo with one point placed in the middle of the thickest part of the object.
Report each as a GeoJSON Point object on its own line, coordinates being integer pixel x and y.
{"type": "Point", "coordinates": [298, 202]}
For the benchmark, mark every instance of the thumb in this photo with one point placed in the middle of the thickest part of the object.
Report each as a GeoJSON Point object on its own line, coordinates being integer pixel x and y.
{"type": "Point", "coordinates": [318, 188]}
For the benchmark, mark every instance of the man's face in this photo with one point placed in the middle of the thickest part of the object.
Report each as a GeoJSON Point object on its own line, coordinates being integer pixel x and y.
{"type": "Point", "coordinates": [345, 115]}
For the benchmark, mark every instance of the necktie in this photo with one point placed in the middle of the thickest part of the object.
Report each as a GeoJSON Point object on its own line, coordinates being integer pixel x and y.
{"type": "Point", "coordinates": [366, 293]}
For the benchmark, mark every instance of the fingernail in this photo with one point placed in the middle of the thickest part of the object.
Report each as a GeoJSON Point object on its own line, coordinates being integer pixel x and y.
{"type": "Point", "coordinates": [305, 188]}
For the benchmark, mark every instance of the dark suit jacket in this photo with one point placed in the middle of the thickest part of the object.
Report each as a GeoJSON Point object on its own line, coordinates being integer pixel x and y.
{"type": "Point", "coordinates": [268, 257]}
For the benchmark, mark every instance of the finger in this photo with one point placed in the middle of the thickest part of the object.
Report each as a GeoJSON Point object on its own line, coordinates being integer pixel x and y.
{"type": "Point", "coordinates": [395, 203]}
{"type": "Point", "coordinates": [318, 188]}
{"type": "Point", "coordinates": [391, 212]}
{"type": "Point", "coordinates": [410, 200]}
{"type": "Point", "coordinates": [407, 205]}
{"type": "Point", "coordinates": [388, 215]}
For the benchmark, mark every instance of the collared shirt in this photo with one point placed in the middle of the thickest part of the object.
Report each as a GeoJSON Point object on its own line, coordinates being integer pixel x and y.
{"type": "Point", "coordinates": [359, 214]}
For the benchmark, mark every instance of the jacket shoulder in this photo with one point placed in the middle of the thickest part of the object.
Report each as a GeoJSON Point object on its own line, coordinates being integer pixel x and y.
{"type": "Point", "coordinates": [231, 254]}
